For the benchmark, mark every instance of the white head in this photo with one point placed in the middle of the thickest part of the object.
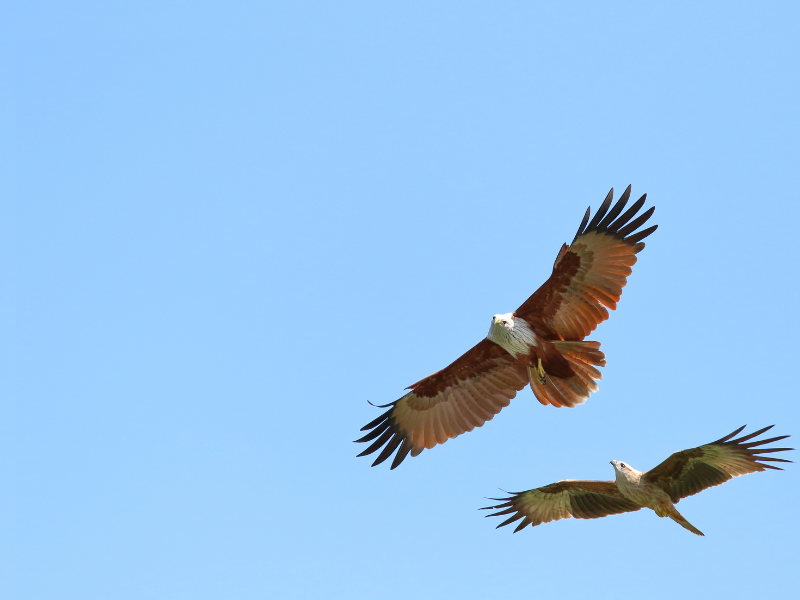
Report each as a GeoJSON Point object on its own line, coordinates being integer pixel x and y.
{"type": "Point", "coordinates": [505, 321]}
{"type": "Point", "coordinates": [625, 471]}
{"type": "Point", "coordinates": [513, 334]}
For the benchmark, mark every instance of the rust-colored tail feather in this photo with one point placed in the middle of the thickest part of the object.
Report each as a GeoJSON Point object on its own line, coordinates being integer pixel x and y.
{"type": "Point", "coordinates": [583, 357]}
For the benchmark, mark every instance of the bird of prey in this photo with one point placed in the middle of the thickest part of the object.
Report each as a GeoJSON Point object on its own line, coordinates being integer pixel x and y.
{"type": "Point", "coordinates": [541, 343]}
{"type": "Point", "coordinates": [683, 474]}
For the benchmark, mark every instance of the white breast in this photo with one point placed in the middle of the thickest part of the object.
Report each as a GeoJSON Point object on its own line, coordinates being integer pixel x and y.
{"type": "Point", "coordinates": [515, 340]}
{"type": "Point", "coordinates": [644, 494]}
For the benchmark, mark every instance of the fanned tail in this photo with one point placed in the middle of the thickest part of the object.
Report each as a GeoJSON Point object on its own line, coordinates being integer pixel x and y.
{"type": "Point", "coordinates": [582, 357]}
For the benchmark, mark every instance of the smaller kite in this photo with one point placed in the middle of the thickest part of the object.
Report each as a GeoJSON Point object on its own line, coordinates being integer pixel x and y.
{"type": "Point", "coordinates": [683, 474]}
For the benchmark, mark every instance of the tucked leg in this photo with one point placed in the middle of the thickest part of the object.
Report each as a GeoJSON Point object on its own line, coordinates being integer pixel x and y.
{"type": "Point", "coordinates": [540, 371]}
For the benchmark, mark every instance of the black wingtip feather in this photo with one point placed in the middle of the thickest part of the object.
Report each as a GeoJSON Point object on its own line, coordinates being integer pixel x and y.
{"type": "Point", "coordinates": [523, 525]}
{"type": "Point", "coordinates": [374, 433]}
{"type": "Point", "coordinates": [385, 405]}
{"type": "Point", "coordinates": [750, 436]}
{"type": "Point", "coordinates": [378, 443]}
{"type": "Point", "coordinates": [375, 422]}
{"type": "Point", "coordinates": [585, 220]}
{"type": "Point", "coordinates": [637, 222]}
{"type": "Point", "coordinates": [405, 448]}
{"type": "Point", "coordinates": [387, 433]}
{"type": "Point", "coordinates": [762, 442]}
{"type": "Point", "coordinates": [753, 449]}
{"type": "Point", "coordinates": [638, 237]}
{"type": "Point", "coordinates": [729, 436]}
{"type": "Point", "coordinates": [623, 200]}
{"type": "Point", "coordinates": [602, 210]}
{"type": "Point", "coordinates": [510, 520]}
{"type": "Point", "coordinates": [387, 451]}
{"type": "Point", "coordinates": [604, 220]}
{"type": "Point", "coordinates": [507, 511]}
{"type": "Point", "coordinates": [628, 214]}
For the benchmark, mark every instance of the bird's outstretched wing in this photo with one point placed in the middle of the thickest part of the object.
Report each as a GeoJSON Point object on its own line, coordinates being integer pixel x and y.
{"type": "Point", "coordinates": [562, 500]}
{"type": "Point", "coordinates": [444, 405]}
{"type": "Point", "coordinates": [688, 472]}
{"type": "Point", "coordinates": [588, 275]}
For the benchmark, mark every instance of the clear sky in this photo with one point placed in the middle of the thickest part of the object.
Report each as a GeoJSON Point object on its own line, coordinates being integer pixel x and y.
{"type": "Point", "coordinates": [224, 227]}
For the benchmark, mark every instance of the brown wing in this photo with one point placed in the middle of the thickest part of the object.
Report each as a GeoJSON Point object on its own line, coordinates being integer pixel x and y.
{"type": "Point", "coordinates": [688, 472]}
{"type": "Point", "coordinates": [562, 500]}
{"type": "Point", "coordinates": [464, 395]}
{"type": "Point", "coordinates": [588, 276]}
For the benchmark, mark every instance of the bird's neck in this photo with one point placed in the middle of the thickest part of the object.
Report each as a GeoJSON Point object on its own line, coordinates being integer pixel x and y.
{"type": "Point", "coordinates": [517, 340]}
{"type": "Point", "coordinates": [628, 479]}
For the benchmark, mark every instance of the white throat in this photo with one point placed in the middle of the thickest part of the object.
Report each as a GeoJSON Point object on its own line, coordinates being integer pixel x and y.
{"type": "Point", "coordinates": [514, 335]}
{"type": "Point", "coordinates": [628, 477]}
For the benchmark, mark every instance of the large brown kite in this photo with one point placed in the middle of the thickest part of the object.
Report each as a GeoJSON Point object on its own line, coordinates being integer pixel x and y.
{"type": "Point", "coordinates": [683, 474]}
{"type": "Point", "coordinates": [541, 343]}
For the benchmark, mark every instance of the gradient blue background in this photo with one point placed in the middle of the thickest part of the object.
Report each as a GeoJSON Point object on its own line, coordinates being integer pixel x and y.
{"type": "Point", "coordinates": [226, 226]}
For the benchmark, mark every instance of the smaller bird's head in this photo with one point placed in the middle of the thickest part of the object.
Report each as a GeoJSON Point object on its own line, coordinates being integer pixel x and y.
{"type": "Point", "coordinates": [624, 470]}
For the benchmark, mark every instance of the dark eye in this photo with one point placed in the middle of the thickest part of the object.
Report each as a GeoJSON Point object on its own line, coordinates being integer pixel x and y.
{"type": "Point", "coordinates": [622, 465]}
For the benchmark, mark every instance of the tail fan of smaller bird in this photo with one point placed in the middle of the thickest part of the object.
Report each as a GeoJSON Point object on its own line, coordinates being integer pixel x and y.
{"type": "Point", "coordinates": [583, 357]}
{"type": "Point", "coordinates": [681, 520]}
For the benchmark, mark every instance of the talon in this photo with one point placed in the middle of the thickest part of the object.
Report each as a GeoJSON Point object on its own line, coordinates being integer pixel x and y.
{"type": "Point", "coordinates": [540, 371]}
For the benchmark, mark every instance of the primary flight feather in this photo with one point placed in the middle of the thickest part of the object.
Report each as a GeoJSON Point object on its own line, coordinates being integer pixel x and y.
{"type": "Point", "coordinates": [683, 474]}
{"type": "Point", "coordinates": [541, 343]}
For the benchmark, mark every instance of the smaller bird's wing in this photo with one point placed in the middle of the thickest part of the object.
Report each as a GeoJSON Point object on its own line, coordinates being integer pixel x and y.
{"type": "Point", "coordinates": [562, 500]}
{"type": "Point", "coordinates": [460, 397]}
{"type": "Point", "coordinates": [688, 472]}
{"type": "Point", "coordinates": [588, 276]}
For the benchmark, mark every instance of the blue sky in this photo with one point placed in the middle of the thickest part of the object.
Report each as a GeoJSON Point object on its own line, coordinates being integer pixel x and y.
{"type": "Point", "coordinates": [225, 227]}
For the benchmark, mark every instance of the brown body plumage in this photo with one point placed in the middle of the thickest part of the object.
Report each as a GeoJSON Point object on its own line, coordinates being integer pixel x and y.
{"type": "Point", "coordinates": [559, 364]}
{"type": "Point", "coordinates": [683, 474]}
